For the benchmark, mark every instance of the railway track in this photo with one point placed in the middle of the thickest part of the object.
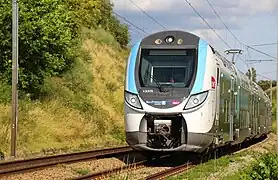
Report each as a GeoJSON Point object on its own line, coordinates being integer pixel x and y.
{"type": "Point", "coordinates": [162, 174]}
{"type": "Point", "coordinates": [172, 171]}
{"type": "Point", "coordinates": [37, 163]}
{"type": "Point", "coordinates": [186, 166]}
{"type": "Point", "coordinates": [103, 174]}
{"type": "Point", "coordinates": [132, 166]}
{"type": "Point", "coordinates": [25, 165]}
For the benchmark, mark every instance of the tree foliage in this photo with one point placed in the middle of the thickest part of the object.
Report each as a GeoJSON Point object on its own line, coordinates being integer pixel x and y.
{"type": "Point", "coordinates": [265, 168]}
{"type": "Point", "coordinates": [49, 31]}
{"type": "Point", "coordinates": [265, 84]}
{"type": "Point", "coordinates": [98, 14]}
{"type": "Point", "coordinates": [252, 74]}
{"type": "Point", "coordinates": [45, 40]}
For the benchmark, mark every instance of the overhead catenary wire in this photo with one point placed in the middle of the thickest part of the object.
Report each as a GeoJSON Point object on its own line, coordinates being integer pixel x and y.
{"type": "Point", "coordinates": [207, 23]}
{"type": "Point", "coordinates": [135, 31]}
{"type": "Point", "coordinates": [249, 56]}
{"type": "Point", "coordinates": [148, 15]}
{"type": "Point", "coordinates": [269, 72]}
{"type": "Point", "coordinates": [126, 20]}
{"type": "Point", "coordinates": [215, 31]}
{"type": "Point", "coordinates": [226, 43]}
{"type": "Point", "coordinates": [263, 76]}
{"type": "Point", "coordinates": [224, 23]}
{"type": "Point", "coordinates": [262, 52]}
{"type": "Point", "coordinates": [265, 44]}
{"type": "Point", "coordinates": [211, 6]}
{"type": "Point", "coordinates": [238, 39]}
{"type": "Point", "coordinates": [260, 73]}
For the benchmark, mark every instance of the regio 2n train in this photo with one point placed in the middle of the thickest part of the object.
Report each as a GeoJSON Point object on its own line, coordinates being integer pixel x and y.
{"type": "Point", "coordinates": [182, 95]}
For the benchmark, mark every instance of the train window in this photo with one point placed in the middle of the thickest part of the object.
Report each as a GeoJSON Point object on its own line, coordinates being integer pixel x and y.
{"type": "Point", "coordinates": [217, 76]}
{"type": "Point", "coordinates": [167, 52]}
{"type": "Point", "coordinates": [169, 68]}
{"type": "Point", "coordinates": [164, 74]}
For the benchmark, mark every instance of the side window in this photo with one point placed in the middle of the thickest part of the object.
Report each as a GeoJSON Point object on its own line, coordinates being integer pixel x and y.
{"type": "Point", "coordinates": [217, 76]}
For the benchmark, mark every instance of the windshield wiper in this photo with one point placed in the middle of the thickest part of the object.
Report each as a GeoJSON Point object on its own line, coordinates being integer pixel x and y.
{"type": "Point", "coordinates": [158, 85]}
{"type": "Point", "coordinates": [161, 89]}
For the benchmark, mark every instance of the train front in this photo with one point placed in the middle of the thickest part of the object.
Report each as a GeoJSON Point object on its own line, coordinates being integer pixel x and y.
{"type": "Point", "coordinates": [168, 99]}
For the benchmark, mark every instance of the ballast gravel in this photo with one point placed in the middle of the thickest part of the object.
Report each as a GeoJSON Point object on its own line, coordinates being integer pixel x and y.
{"type": "Point", "coordinates": [64, 171]}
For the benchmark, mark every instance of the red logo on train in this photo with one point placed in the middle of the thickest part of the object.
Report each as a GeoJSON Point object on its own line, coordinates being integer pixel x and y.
{"type": "Point", "coordinates": [213, 82]}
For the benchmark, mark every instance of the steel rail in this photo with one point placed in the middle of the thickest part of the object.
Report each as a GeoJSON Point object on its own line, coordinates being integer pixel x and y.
{"type": "Point", "coordinates": [132, 166]}
{"type": "Point", "coordinates": [105, 173]}
{"type": "Point", "coordinates": [184, 167]}
{"type": "Point", "coordinates": [19, 166]}
{"type": "Point", "coordinates": [171, 171]}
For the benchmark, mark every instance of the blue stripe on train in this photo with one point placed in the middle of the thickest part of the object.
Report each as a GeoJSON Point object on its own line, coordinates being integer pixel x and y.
{"type": "Point", "coordinates": [131, 86]}
{"type": "Point", "coordinates": [202, 56]}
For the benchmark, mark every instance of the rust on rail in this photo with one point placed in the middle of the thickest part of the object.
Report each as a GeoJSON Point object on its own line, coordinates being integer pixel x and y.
{"type": "Point", "coordinates": [19, 166]}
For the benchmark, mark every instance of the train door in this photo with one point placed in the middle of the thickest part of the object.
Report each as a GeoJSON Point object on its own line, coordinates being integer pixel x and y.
{"type": "Point", "coordinates": [254, 114]}
{"type": "Point", "coordinates": [252, 122]}
{"type": "Point", "coordinates": [218, 89]}
{"type": "Point", "coordinates": [236, 110]}
{"type": "Point", "coordinates": [258, 116]}
{"type": "Point", "coordinates": [224, 105]}
{"type": "Point", "coordinates": [250, 112]}
{"type": "Point", "coordinates": [231, 110]}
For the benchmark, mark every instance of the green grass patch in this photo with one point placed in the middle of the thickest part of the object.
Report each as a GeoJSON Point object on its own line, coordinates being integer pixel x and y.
{"type": "Point", "coordinates": [264, 167]}
{"type": "Point", "coordinates": [82, 171]}
{"type": "Point", "coordinates": [220, 168]}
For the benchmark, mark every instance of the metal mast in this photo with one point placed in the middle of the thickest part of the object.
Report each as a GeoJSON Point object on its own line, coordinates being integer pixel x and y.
{"type": "Point", "coordinates": [14, 76]}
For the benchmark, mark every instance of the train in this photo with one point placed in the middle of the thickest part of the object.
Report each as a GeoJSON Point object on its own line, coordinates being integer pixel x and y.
{"type": "Point", "coordinates": [181, 94]}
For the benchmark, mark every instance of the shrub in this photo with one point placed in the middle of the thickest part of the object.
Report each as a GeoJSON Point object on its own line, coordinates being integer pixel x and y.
{"type": "Point", "coordinates": [265, 168]}
{"type": "Point", "coordinates": [93, 14]}
{"type": "Point", "coordinates": [49, 33]}
{"type": "Point", "coordinates": [45, 41]}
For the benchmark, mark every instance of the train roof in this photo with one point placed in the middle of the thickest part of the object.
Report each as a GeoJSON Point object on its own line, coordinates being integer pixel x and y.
{"type": "Point", "coordinates": [183, 38]}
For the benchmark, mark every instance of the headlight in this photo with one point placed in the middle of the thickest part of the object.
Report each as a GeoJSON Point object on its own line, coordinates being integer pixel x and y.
{"type": "Point", "coordinates": [196, 100]}
{"type": "Point", "coordinates": [169, 39]}
{"type": "Point", "coordinates": [132, 100]}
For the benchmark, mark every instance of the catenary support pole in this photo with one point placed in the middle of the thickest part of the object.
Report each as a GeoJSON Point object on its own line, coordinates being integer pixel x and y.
{"type": "Point", "coordinates": [270, 93]}
{"type": "Point", "coordinates": [277, 93]}
{"type": "Point", "coordinates": [14, 76]}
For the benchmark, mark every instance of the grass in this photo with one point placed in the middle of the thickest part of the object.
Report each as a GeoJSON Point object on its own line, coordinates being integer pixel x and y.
{"type": "Point", "coordinates": [82, 109]}
{"type": "Point", "coordinates": [233, 167]}
{"type": "Point", "coordinates": [230, 167]}
{"type": "Point", "coordinates": [212, 168]}
{"type": "Point", "coordinates": [82, 171]}
{"type": "Point", "coordinates": [264, 167]}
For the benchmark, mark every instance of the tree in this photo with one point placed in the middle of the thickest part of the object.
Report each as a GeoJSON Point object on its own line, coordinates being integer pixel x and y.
{"type": "Point", "coordinates": [49, 32]}
{"type": "Point", "coordinates": [254, 74]}
{"type": "Point", "coordinates": [98, 14]}
{"type": "Point", "coordinates": [265, 84]}
{"type": "Point", "coordinates": [46, 39]}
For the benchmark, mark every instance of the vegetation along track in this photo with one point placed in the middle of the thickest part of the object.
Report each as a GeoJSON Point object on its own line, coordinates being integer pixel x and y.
{"type": "Point", "coordinates": [133, 166]}
{"type": "Point", "coordinates": [223, 151]}
{"type": "Point", "coordinates": [20, 166]}
{"type": "Point", "coordinates": [185, 163]}
{"type": "Point", "coordinates": [103, 174]}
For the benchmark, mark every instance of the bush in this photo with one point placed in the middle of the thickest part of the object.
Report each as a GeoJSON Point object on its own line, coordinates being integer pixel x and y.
{"type": "Point", "coordinates": [5, 92]}
{"type": "Point", "coordinates": [93, 14]}
{"type": "Point", "coordinates": [46, 39]}
{"type": "Point", "coordinates": [265, 168]}
{"type": "Point", "coordinates": [49, 32]}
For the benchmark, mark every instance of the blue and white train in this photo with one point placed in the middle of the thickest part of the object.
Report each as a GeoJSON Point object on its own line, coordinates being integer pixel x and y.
{"type": "Point", "coordinates": [182, 95]}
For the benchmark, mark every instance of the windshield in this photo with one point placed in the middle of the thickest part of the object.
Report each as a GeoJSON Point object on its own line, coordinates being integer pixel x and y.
{"type": "Point", "coordinates": [172, 68]}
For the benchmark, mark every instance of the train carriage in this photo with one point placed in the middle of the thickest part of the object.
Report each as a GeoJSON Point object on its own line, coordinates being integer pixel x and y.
{"type": "Point", "coordinates": [182, 95]}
